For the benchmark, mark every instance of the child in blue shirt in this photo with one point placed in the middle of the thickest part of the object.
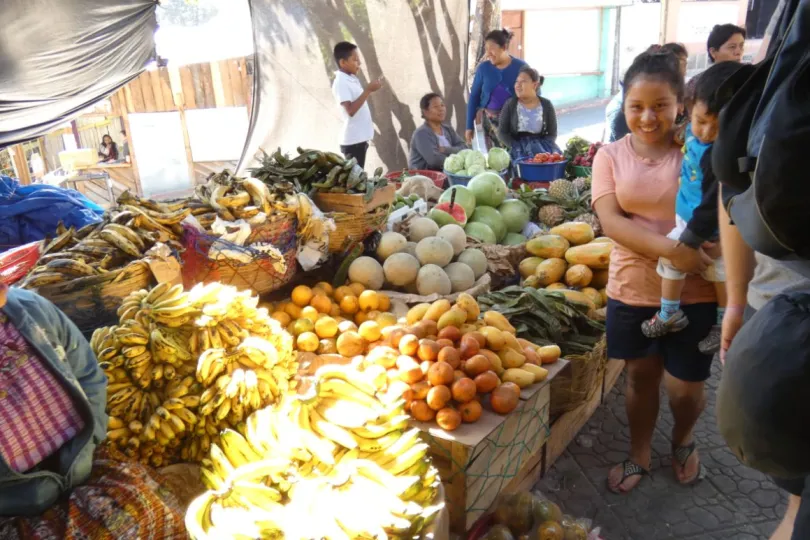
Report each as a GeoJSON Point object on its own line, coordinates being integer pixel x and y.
{"type": "Point", "coordinates": [696, 208]}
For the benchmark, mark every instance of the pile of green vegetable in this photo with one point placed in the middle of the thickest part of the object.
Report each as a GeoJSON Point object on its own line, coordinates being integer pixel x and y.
{"type": "Point", "coordinates": [315, 171]}
{"type": "Point", "coordinates": [545, 317]}
{"type": "Point", "coordinates": [472, 162]}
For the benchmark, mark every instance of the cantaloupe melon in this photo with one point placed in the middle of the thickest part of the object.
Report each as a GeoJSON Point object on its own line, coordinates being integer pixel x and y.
{"type": "Point", "coordinates": [368, 272]}
{"type": "Point", "coordinates": [461, 276]}
{"type": "Point", "coordinates": [400, 269]}
{"type": "Point", "coordinates": [390, 243]}
{"type": "Point", "coordinates": [431, 279]}
{"type": "Point", "coordinates": [434, 250]}
{"type": "Point", "coordinates": [475, 259]}
{"type": "Point", "coordinates": [422, 227]}
{"type": "Point", "coordinates": [455, 235]}
{"type": "Point", "coordinates": [549, 246]}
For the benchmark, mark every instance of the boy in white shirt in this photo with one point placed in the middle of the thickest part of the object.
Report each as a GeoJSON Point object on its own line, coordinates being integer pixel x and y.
{"type": "Point", "coordinates": [352, 98]}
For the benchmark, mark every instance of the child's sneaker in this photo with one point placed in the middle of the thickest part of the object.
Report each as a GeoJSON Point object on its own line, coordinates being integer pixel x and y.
{"type": "Point", "coordinates": [711, 343]}
{"type": "Point", "coordinates": [657, 327]}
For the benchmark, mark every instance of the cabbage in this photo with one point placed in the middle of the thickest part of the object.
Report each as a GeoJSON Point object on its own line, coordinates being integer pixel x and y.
{"type": "Point", "coordinates": [475, 158]}
{"type": "Point", "coordinates": [464, 153]}
{"type": "Point", "coordinates": [454, 163]}
{"type": "Point", "coordinates": [476, 170]}
{"type": "Point", "coordinates": [498, 159]}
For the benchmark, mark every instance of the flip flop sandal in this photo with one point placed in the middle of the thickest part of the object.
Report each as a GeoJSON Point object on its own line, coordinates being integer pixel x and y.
{"type": "Point", "coordinates": [630, 468]}
{"type": "Point", "coordinates": [682, 454]}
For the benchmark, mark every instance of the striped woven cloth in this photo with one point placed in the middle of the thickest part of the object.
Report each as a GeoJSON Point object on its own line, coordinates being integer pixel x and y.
{"type": "Point", "coordinates": [122, 500]}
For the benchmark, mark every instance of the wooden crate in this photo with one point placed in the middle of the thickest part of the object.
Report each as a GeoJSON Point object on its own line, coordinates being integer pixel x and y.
{"type": "Point", "coordinates": [479, 461]}
{"type": "Point", "coordinates": [354, 204]}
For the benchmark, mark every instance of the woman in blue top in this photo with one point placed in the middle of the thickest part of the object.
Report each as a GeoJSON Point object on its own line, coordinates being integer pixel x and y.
{"type": "Point", "coordinates": [493, 85]}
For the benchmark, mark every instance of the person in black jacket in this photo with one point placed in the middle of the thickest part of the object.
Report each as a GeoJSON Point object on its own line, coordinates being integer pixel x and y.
{"type": "Point", "coordinates": [696, 209]}
{"type": "Point", "coordinates": [528, 123]}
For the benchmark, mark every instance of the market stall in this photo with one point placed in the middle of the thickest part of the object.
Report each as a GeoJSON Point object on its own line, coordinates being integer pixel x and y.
{"type": "Point", "coordinates": [316, 332]}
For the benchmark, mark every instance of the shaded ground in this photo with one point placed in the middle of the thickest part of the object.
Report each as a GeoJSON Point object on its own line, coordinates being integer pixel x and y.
{"type": "Point", "coordinates": [587, 122]}
{"type": "Point", "coordinates": [732, 502]}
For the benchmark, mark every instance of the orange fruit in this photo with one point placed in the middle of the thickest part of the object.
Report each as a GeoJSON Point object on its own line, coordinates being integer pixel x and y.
{"type": "Point", "coordinates": [342, 291]}
{"type": "Point", "coordinates": [301, 295]}
{"type": "Point", "coordinates": [357, 288]}
{"type": "Point", "coordinates": [349, 305]}
{"type": "Point", "coordinates": [293, 310]}
{"type": "Point", "coordinates": [310, 313]}
{"type": "Point", "coordinates": [369, 301]}
{"type": "Point", "coordinates": [360, 317]}
{"type": "Point", "coordinates": [322, 303]}
{"type": "Point", "coordinates": [326, 327]}
{"type": "Point", "coordinates": [369, 330]}
{"type": "Point", "coordinates": [384, 302]}
{"type": "Point", "coordinates": [282, 317]}
{"type": "Point", "coordinates": [326, 288]}
{"type": "Point", "coordinates": [307, 342]}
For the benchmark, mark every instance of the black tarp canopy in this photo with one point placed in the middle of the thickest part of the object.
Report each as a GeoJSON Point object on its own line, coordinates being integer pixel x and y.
{"type": "Point", "coordinates": [58, 57]}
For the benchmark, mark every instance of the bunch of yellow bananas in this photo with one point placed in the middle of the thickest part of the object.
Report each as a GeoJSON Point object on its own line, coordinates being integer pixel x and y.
{"type": "Point", "coordinates": [182, 366]}
{"type": "Point", "coordinates": [337, 462]}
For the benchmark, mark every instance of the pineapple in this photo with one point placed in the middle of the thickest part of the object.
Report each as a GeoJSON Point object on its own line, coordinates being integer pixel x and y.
{"type": "Point", "coordinates": [562, 189]}
{"type": "Point", "coordinates": [582, 184]}
{"type": "Point", "coordinates": [591, 220]}
{"type": "Point", "coordinates": [551, 215]}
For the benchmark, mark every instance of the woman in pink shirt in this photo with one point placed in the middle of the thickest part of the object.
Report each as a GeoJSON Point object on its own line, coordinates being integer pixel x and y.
{"type": "Point", "coordinates": [635, 181]}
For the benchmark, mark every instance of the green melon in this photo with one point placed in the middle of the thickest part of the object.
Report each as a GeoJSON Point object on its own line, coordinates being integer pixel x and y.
{"type": "Point", "coordinates": [489, 189]}
{"type": "Point", "coordinates": [491, 217]}
{"type": "Point", "coordinates": [481, 232]}
{"type": "Point", "coordinates": [464, 197]}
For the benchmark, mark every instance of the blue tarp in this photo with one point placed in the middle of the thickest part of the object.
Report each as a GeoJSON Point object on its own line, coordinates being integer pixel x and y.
{"type": "Point", "coordinates": [30, 213]}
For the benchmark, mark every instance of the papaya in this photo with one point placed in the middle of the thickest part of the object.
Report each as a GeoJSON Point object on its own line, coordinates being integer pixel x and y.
{"type": "Point", "coordinates": [550, 271]}
{"type": "Point", "coordinates": [576, 233]}
{"type": "Point", "coordinates": [578, 276]}
{"type": "Point", "coordinates": [594, 295]}
{"type": "Point", "coordinates": [579, 298]}
{"type": "Point", "coordinates": [600, 279]}
{"type": "Point", "coordinates": [533, 282]}
{"type": "Point", "coordinates": [602, 240]}
{"type": "Point", "coordinates": [595, 256]}
{"type": "Point", "coordinates": [528, 265]}
{"type": "Point", "coordinates": [556, 286]}
{"type": "Point", "coordinates": [549, 246]}
{"type": "Point", "coordinates": [603, 293]}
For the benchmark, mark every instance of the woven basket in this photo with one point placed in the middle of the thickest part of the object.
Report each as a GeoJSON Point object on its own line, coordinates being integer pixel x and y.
{"type": "Point", "coordinates": [575, 386]}
{"type": "Point", "coordinates": [91, 302]}
{"type": "Point", "coordinates": [258, 275]}
{"type": "Point", "coordinates": [354, 217]}
{"type": "Point", "coordinates": [354, 228]}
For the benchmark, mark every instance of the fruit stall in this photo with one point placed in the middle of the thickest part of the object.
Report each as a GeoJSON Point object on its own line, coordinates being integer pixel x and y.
{"type": "Point", "coordinates": [344, 354]}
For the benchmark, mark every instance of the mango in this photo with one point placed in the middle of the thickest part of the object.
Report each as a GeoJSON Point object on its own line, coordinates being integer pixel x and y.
{"type": "Point", "coordinates": [494, 359]}
{"type": "Point", "coordinates": [549, 353]}
{"type": "Point", "coordinates": [417, 313]}
{"type": "Point", "coordinates": [511, 358]}
{"type": "Point", "coordinates": [493, 318]}
{"type": "Point", "coordinates": [520, 377]}
{"type": "Point", "coordinates": [540, 373]}
{"type": "Point", "coordinates": [437, 309]}
{"type": "Point", "coordinates": [470, 305]}
{"type": "Point", "coordinates": [512, 342]}
{"type": "Point", "coordinates": [494, 337]}
{"type": "Point", "coordinates": [454, 317]}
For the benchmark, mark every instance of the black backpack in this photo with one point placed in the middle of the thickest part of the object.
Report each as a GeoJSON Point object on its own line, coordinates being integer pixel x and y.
{"type": "Point", "coordinates": [762, 153]}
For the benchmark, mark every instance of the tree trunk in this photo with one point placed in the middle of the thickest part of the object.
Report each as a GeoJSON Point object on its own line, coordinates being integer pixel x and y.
{"type": "Point", "coordinates": [487, 17]}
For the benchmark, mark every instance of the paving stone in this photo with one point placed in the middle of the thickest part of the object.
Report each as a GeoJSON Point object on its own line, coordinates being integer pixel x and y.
{"type": "Point", "coordinates": [732, 502]}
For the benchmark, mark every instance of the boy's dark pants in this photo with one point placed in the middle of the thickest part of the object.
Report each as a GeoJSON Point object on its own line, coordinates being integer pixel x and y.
{"type": "Point", "coordinates": [357, 151]}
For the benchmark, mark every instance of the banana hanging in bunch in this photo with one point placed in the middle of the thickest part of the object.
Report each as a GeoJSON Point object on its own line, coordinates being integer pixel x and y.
{"type": "Point", "coordinates": [338, 462]}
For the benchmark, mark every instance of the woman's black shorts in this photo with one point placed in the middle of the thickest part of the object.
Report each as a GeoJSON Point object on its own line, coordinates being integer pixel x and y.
{"type": "Point", "coordinates": [682, 359]}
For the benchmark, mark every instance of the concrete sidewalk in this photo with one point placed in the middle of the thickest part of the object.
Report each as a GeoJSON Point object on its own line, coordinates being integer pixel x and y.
{"type": "Point", "coordinates": [732, 502]}
{"type": "Point", "coordinates": [586, 120]}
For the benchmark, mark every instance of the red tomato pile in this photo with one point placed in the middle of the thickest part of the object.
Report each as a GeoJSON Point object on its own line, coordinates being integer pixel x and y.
{"type": "Point", "coordinates": [545, 157]}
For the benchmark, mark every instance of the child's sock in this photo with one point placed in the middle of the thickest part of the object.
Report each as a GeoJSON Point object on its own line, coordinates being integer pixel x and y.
{"type": "Point", "coordinates": [721, 311]}
{"type": "Point", "coordinates": [668, 308]}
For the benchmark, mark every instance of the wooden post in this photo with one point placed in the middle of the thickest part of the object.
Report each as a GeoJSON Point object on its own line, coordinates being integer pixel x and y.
{"type": "Point", "coordinates": [668, 30]}
{"type": "Point", "coordinates": [187, 143]}
{"type": "Point", "coordinates": [487, 17]}
{"type": "Point", "coordinates": [20, 164]}
{"type": "Point", "coordinates": [41, 145]}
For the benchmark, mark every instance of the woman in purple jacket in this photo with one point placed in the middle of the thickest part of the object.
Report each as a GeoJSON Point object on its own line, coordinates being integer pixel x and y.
{"type": "Point", "coordinates": [493, 85]}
